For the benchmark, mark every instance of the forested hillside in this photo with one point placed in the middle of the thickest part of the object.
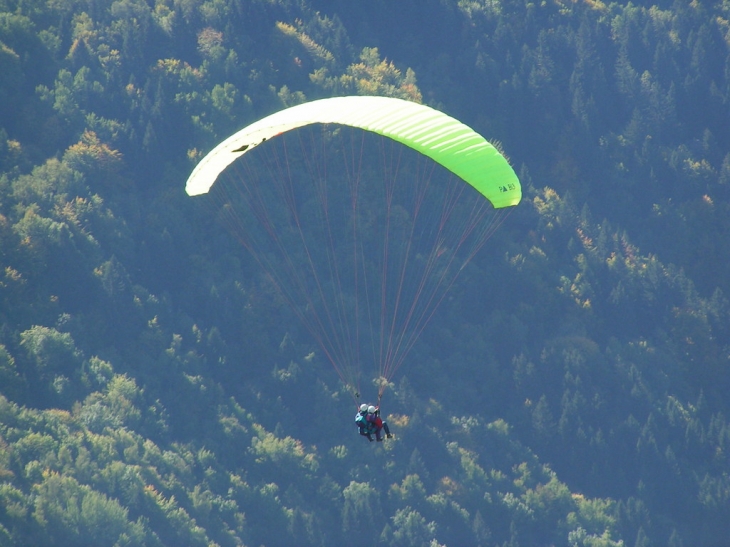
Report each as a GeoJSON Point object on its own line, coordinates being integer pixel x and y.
{"type": "Point", "coordinates": [571, 391]}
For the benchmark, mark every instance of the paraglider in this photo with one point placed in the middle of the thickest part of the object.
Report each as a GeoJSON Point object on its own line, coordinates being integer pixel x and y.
{"type": "Point", "coordinates": [361, 421]}
{"type": "Point", "coordinates": [377, 423]}
{"type": "Point", "coordinates": [442, 138]}
{"type": "Point", "coordinates": [369, 422]}
{"type": "Point", "coordinates": [361, 211]}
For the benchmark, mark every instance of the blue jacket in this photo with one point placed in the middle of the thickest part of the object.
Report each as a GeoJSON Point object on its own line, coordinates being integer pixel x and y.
{"type": "Point", "coordinates": [361, 419]}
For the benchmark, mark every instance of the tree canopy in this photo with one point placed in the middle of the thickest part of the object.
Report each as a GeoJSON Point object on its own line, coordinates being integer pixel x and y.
{"type": "Point", "coordinates": [154, 388]}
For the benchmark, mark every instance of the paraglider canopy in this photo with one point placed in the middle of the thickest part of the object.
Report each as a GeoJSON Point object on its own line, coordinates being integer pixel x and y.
{"type": "Point", "coordinates": [444, 139]}
{"type": "Point", "coordinates": [362, 228]}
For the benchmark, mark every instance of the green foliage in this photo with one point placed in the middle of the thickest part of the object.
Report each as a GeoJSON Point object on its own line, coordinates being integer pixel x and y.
{"type": "Point", "coordinates": [82, 516]}
{"type": "Point", "coordinates": [53, 359]}
{"type": "Point", "coordinates": [371, 76]}
{"type": "Point", "coordinates": [146, 396]}
{"type": "Point", "coordinates": [9, 377]}
{"type": "Point", "coordinates": [410, 528]}
{"type": "Point", "coordinates": [362, 514]}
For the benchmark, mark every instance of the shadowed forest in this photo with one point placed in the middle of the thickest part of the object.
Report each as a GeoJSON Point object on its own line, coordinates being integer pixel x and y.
{"type": "Point", "coordinates": [572, 390]}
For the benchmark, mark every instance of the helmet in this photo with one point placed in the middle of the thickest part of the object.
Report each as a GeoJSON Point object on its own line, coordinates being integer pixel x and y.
{"type": "Point", "coordinates": [371, 409]}
{"type": "Point", "coordinates": [363, 407]}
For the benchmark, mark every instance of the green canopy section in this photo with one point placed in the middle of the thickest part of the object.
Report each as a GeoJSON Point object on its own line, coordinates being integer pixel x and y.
{"type": "Point", "coordinates": [442, 138]}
